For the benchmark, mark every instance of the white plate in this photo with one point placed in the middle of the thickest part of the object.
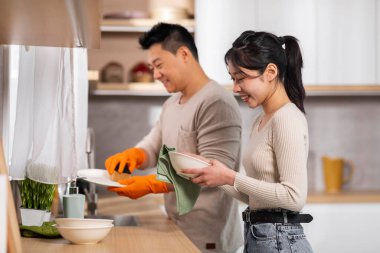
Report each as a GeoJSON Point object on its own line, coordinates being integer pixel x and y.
{"type": "Point", "coordinates": [98, 176]}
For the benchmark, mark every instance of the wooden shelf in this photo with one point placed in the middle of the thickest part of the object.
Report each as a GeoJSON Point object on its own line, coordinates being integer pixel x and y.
{"type": "Point", "coordinates": [342, 90]}
{"type": "Point", "coordinates": [128, 89]}
{"type": "Point", "coordinates": [139, 24]}
{"type": "Point", "coordinates": [156, 89]}
{"type": "Point", "coordinates": [338, 90]}
{"type": "Point", "coordinates": [144, 89]}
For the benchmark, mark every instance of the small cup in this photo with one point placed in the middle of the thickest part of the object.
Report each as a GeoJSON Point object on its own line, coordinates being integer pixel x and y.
{"type": "Point", "coordinates": [73, 206]}
{"type": "Point", "coordinates": [335, 177]}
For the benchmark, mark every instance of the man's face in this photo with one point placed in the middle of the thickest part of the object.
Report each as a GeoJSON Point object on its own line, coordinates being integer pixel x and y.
{"type": "Point", "coordinates": [166, 67]}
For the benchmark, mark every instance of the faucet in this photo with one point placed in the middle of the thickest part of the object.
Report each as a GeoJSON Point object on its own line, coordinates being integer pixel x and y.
{"type": "Point", "coordinates": [91, 195]}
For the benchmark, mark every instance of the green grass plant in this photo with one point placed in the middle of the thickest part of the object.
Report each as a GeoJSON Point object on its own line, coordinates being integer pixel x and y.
{"type": "Point", "coordinates": [36, 195]}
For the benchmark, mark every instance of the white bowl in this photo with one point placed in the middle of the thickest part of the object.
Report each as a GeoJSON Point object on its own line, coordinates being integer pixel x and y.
{"type": "Point", "coordinates": [77, 222]}
{"type": "Point", "coordinates": [183, 161]}
{"type": "Point", "coordinates": [84, 235]}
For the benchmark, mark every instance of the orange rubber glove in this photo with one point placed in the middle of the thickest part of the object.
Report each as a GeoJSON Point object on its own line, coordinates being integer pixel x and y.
{"type": "Point", "coordinates": [132, 158]}
{"type": "Point", "coordinates": [138, 186]}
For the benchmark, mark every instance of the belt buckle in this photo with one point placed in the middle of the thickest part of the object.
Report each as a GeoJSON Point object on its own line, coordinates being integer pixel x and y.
{"type": "Point", "coordinates": [285, 216]}
{"type": "Point", "coordinates": [247, 215]}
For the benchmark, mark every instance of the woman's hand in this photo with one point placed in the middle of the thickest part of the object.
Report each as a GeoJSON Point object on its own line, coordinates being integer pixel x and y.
{"type": "Point", "coordinates": [214, 175]}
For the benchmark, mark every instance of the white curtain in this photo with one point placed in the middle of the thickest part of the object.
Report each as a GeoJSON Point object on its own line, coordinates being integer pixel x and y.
{"type": "Point", "coordinates": [51, 114]}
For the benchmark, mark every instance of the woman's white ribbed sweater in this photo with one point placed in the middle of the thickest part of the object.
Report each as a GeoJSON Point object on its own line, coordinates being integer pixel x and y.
{"type": "Point", "coordinates": [275, 161]}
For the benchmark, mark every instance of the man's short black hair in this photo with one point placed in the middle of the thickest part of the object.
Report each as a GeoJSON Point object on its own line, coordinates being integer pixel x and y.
{"type": "Point", "coordinates": [170, 36]}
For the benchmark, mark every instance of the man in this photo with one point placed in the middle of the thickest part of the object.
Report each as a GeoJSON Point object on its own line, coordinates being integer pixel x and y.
{"type": "Point", "coordinates": [200, 118]}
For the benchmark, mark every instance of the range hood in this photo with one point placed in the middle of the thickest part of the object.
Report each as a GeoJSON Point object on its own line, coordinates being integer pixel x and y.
{"type": "Point", "coordinates": [58, 23]}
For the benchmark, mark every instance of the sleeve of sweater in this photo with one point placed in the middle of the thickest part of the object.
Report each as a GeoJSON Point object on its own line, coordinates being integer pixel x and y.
{"type": "Point", "coordinates": [290, 147]}
{"type": "Point", "coordinates": [219, 132]}
{"type": "Point", "coordinates": [152, 142]}
{"type": "Point", "coordinates": [230, 190]}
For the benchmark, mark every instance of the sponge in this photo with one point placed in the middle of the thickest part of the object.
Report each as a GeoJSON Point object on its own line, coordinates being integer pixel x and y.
{"type": "Point", "coordinates": [116, 176]}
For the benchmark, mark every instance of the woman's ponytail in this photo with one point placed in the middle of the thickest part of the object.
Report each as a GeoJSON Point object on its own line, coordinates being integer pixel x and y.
{"type": "Point", "coordinates": [293, 75]}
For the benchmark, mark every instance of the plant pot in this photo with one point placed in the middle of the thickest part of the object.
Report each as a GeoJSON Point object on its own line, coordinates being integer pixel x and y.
{"type": "Point", "coordinates": [34, 217]}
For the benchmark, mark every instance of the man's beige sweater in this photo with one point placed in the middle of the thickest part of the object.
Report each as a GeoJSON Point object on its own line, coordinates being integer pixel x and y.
{"type": "Point", "coordinates": [208, 124]}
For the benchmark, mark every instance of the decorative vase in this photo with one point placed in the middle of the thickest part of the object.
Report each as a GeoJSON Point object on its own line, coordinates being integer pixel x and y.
{"type": "Point", "coordinates": [34, 217]}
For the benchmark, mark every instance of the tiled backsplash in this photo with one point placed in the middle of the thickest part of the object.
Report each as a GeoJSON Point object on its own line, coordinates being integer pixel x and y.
{"type": "Point", "coordinates": [338, 126]}
{"type": "Point", "coordinates": [346, 127]}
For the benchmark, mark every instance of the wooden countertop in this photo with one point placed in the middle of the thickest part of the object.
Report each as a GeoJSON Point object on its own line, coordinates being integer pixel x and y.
{"type": "Point", "coordinates": [155, 233]}
{"type": "Point", "coordinates": [344, 197]}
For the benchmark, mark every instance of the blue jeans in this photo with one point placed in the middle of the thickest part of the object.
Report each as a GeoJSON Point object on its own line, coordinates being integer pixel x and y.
{"type": "Point", "coordinates": [275, 237]}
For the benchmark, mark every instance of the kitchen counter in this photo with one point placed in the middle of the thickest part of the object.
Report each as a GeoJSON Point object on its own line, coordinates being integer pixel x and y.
{"type": "Point", "coordinates": [155, 232]}
{"type": "Point", "coordinates": [344, 197]}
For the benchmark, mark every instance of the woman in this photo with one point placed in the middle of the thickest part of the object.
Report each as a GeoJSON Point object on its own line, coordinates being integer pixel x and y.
{"type": "Point", "coordinates": [266, 71]}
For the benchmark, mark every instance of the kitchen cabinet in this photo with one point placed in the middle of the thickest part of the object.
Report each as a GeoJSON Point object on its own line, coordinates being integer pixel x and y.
{"type": "Point", "coordinates": [218, 24]}
{"type": "Point", "coordinates": [339, 38]}
{"type": "Point", "coordinates": [296, 18]}
{"type": "Point", "coordinates": [346, 42]}
{"type": "Point", "coordinates": [349, 227]}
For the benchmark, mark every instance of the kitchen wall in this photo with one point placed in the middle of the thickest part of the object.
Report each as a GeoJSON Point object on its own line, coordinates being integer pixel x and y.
{"type": "Point", "coordinates": [338, 126]}
{"type": "Point", "coordinates": [332, 34]}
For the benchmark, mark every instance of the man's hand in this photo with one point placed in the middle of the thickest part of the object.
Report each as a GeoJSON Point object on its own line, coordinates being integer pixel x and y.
{"type": "Point", "coordinates": [131, 159]}
{"type": "Point", "coordinates": [138, 186]}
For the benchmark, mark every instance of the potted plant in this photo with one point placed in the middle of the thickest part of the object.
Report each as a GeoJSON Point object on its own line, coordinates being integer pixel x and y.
{"type": "Point", "coordinates": [36, 202]}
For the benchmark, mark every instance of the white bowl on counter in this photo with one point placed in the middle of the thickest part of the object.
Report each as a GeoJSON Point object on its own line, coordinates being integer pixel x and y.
{"type": "Point", "coordinates": [84, 235]}
{"type": "Point", "coordinates": [181, 161]}
{"type": "Point", "coordinates": [77, 222]}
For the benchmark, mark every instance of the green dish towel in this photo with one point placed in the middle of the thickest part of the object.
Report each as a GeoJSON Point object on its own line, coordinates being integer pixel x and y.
{"type": "Point", "coordinates": [186, 192]}
{"type": "Point", "coordinates": [47, 230]}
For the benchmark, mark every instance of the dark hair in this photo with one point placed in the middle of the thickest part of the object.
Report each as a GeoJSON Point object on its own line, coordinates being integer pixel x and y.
{"type": "Point", "coordinates": [255, 50]}
{"type": "Point", "coordinates": [170, 36]}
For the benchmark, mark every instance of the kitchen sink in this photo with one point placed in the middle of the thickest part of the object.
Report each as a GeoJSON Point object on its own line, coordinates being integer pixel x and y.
{"type": "Point", "coordinates": [119, 220]}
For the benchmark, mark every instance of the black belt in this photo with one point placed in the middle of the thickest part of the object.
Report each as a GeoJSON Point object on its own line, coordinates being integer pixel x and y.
{"type": "Point", "coordinates": [283, 216]}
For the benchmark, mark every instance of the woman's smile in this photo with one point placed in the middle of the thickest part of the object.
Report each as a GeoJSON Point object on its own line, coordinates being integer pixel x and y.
{"type": "Point", "coordinates": [244, 97]}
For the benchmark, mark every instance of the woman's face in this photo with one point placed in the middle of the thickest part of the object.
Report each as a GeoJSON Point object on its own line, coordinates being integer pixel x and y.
{"type": "Point", "coordinates": [250, 85]}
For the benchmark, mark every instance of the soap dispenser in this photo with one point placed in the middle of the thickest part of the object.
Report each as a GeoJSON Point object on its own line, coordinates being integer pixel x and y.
{"type": "Point", "coordinates": [73, 203]}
